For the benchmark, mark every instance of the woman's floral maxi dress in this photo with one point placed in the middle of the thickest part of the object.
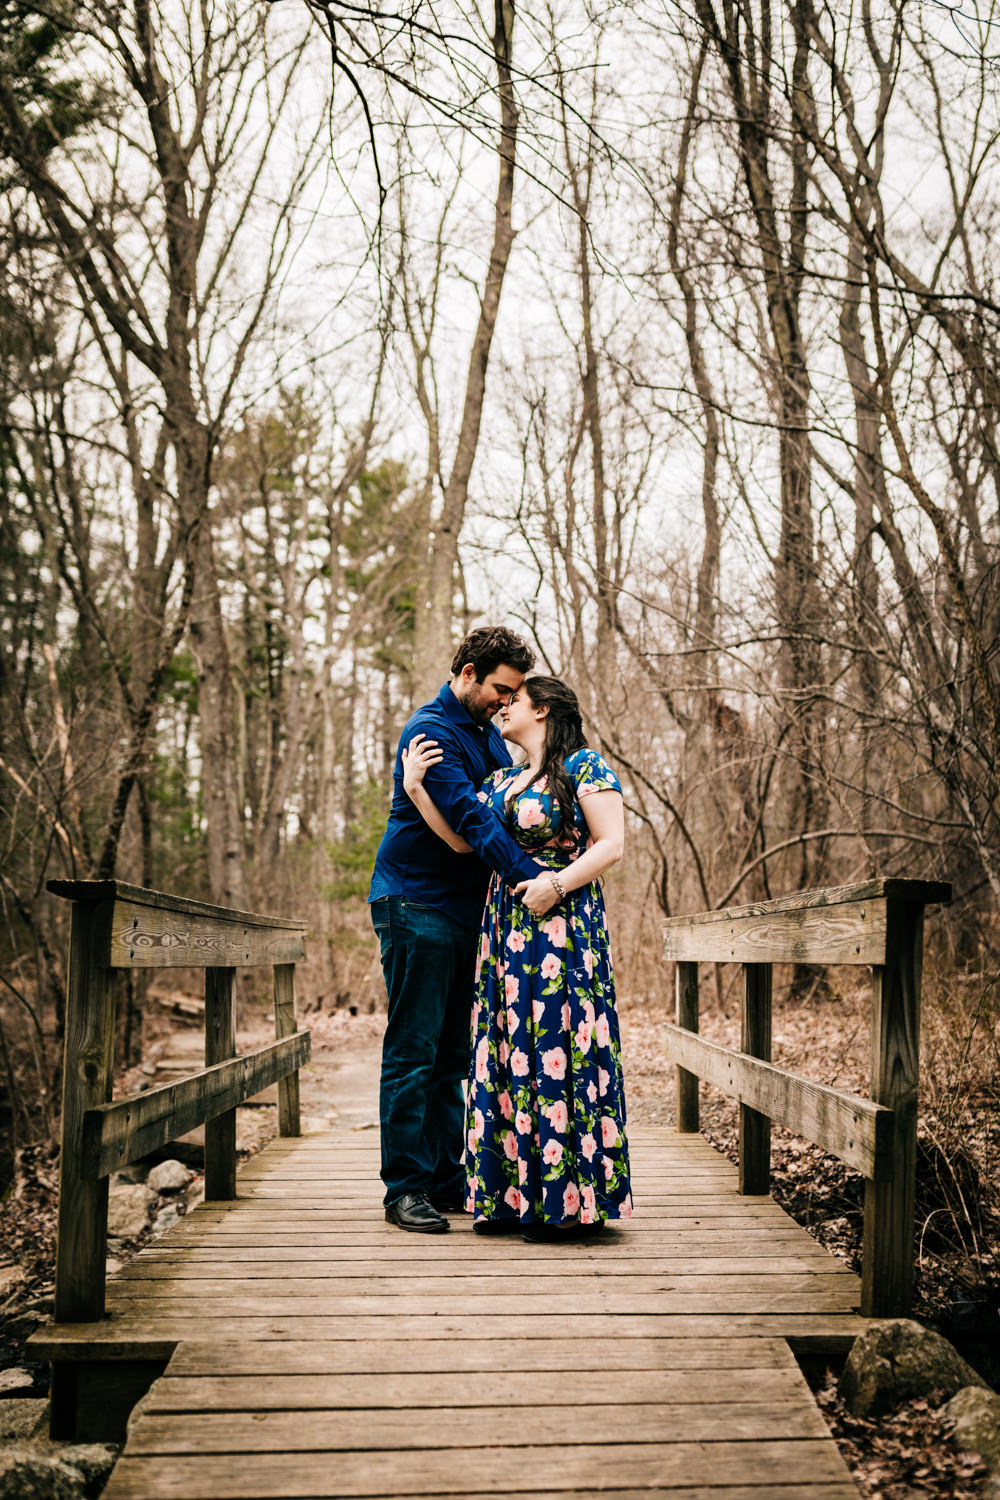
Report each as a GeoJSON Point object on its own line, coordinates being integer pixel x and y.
{"type": "Point", "coordinates": [546, 1114]}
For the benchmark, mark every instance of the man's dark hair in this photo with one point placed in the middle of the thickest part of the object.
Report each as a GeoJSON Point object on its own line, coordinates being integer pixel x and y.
{"type": "Point", "coordinates": [490, 647]}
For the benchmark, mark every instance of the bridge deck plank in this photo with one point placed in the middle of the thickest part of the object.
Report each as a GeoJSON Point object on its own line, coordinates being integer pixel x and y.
{"type": "Point", "coordinates": [317, 1351]}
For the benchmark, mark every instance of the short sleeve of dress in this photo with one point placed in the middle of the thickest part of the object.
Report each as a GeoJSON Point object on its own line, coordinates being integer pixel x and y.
{"type": "Point", "coordinates": [591, 773]}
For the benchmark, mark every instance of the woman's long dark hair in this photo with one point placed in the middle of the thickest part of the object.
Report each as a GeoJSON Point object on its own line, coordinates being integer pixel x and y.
{"type": "Point", "coordinates": [563, 735]}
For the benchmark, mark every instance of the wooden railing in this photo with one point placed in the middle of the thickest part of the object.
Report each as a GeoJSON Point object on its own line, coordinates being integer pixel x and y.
{"type": "Point", "coordinates": [879, 923]}
{"type": "Point", "coordinates": [116, 926]}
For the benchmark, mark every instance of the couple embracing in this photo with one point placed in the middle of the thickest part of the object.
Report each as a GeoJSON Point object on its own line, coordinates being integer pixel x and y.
{"type": "Point", "coordinates": [485, 900]}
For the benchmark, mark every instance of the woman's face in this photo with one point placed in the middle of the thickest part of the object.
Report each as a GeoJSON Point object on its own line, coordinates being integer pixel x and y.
{"type": "Point", "coordinates": [520, 719]}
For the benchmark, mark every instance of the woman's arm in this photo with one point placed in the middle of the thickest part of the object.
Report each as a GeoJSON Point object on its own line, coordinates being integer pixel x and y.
{"type": "Point", "coordinates": [604, 813]}
{"type": "Point", "coordinates": [417, 757]}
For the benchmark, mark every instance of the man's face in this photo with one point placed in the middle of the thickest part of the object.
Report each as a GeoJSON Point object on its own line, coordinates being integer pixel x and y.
{"type": "Point", "coordinates": [481, 700]}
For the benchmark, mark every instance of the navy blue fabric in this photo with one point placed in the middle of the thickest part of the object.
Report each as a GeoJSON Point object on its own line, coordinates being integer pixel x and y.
{"type": "Point", "coordinates": [414, 863]}
{"type": "Point", "coordinates": [428, 962]}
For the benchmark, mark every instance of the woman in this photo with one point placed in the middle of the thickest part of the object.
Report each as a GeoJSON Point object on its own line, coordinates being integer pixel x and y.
{"type": "Point", "coordinates": [546, 1149]}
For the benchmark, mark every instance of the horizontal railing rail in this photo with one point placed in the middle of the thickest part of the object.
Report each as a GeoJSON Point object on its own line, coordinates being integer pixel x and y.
{"type": "Point", "coordinates": [878, 923]}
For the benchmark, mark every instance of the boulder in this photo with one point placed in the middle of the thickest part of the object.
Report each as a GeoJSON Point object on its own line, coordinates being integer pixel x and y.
{"type": "Point", "coordinates": [168, 1177]}
{"type": "Point", "coordinates": [92, 1461]}
{"type": "Point", "coordinates": [895, 1360]}
{"type": "Point", "coordinates": [29, 1475]}
{"type": "Point", "coordinates": [18, 1381]}
{"type": "Point", "coordinates": [22, 1419]}
{"type": "Point", "coordinates": [975, 1412]}
{"type": "Point", "coordinates": [168, 1216]}
{"type": "Point", "coordinates": [128, 1205]}
{"type": "Point", "coordinates": [11, 1277]}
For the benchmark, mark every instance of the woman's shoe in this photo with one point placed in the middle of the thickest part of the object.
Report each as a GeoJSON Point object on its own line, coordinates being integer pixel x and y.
{"type": "Point", "coordinates": [496, 1226]}
{"type": "Point", "coordinates": [559, 1234]}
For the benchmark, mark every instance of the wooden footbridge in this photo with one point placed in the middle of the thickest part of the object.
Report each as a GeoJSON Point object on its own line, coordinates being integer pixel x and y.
{"type": "Point", "coordinates": [291, 1343]}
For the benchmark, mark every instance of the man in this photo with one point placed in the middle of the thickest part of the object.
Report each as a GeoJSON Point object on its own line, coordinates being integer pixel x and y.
{"type": "Point", "coordinates": [426, 902]}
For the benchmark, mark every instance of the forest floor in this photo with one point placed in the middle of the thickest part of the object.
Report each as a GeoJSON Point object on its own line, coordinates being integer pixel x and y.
{"type": "Point", "coordinates": [905, 1455]}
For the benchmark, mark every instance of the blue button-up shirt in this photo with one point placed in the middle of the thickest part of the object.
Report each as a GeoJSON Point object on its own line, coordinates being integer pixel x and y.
{"type": "Point", "coordinates": [412, 861]}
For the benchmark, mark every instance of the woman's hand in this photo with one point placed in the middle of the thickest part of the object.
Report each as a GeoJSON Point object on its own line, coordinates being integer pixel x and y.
{"type": "Point", "coordinates": [419, 755]}
{"type": "Point", "coordinates": [539, 894]}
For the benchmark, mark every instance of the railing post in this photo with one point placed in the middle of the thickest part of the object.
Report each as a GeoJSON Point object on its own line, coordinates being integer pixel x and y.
{"type": "Point", "coordinates": [755, 1039]}
{"type": "Point", "coordinates": [82, 1244]}
{"type": "Point", "coordinates": [687, 1016]}
{"type": "Point", "coordinates": [285, 1024]}
{"type": "Point", "coordinates": [220, 1045]}
{"type": "Point", "coordinates": [887, 1255]}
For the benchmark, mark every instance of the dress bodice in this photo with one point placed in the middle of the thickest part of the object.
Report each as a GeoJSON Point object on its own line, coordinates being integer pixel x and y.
{"type": "Point", "coordinates": [532, 816]}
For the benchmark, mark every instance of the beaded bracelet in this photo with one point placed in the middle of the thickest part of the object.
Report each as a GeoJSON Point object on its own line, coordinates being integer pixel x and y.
{"type": "Point", "coordinates": [559, 887]}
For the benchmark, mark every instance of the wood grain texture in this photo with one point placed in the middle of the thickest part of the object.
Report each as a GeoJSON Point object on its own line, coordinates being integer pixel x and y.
{"type": "Point", "coordinates": [285, 1024]}
{"type": "Point", "coordinates": [87, 1072]}
{"type": "Point", "coordinates": [114, 1134]}
{"type": "Point", "coordinates": [687, 1018]}
{"type": "Point", "coordinates": [220, 1046]}
{"type": "Point", "coordinates": [859, 1131]}
{"type": "Point", "coordinates": [887, 1251]}
{"type": "Point", "coordinates": [755, 1041]}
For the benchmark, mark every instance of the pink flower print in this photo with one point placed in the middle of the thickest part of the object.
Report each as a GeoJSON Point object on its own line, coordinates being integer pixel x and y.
{"type": "Point", "coordinates": [554, 1062]}
{"type": "Point", "coordinates": [510, 1145]}
{"type": "Point", "coordinates": [626, 1206]}
{"type": "Point", "coordinates": [557, 1115]}
{"type": "Point", "coordinates": [504, 1052]}
{"type": "Point", "coordinates": [482, 1060]}
{"type": "Point", "coordinates": [506, 1107]}
{"type": "Point", "coordinates": [551, 967]}
{"type": "Point", "coordinates": [588, 962]}
{"type": "Point", "coordinates": [479, 970]}
{"type": "Point", "coordinates": [588, 1198]}
{"type": "Point", "coordinates": [512, 1020]}
{"type": "Point", "coordinates": [566, 1018]}
{"type": "Point", "coordinates": [602, 1031]}
{"type": "Point", "coordinates": [609, 1131]}
{"type": "Point", "coordinates": [515, 941]}
{"type": "Point", "coordinates": [513, 1199]}
{"type": "Point", "coordinates": [608, 1166]}
{"type": "Point", "coordinates": [588, 1146]}
{"type": "Point", "coordinates": [552, 1154]}
{"type": "Point", "coordinates": [518, 1063]}
{"type": "Point", "coordinates": [522, 1171]}
{"type": "Point", "coordinates": [530, 812]}
{"type": "Point", "coordinates": [501, 968]}
{"type": "Point", "coordinates": [603, 1080]}
{"type": "Point", "coordinates": [478, 1124]}
{"type": "Point", "coordinates": [472, 1143]}
{"type": "Point", "coordinates": [592, 1091]}
{"type": "Point", "coordinates": [481, 795]}
{"type": "Point", "coordinates": [522, 1121]}
{"type": "Point", "coordinates": [510, 988]}
{"type": "Point", "coordinates": [537, 1011]}
{"type": "Point", "coordinates": [588, 1012]}
{"type": "Point", "coordinates": [583, 1037]}
{"type": "Point", "coordinates": [555, 931]}
{"type": "Point", "coordinates": [484, 946]}
{"type": "Point", "coordinates": [571, 1200]}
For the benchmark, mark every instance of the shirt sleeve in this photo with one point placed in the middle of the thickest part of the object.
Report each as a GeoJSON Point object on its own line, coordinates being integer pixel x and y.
{"type": "Point", "coordinates": [591, 773]}
{"type": "Point", "coordinates": [458, 802]}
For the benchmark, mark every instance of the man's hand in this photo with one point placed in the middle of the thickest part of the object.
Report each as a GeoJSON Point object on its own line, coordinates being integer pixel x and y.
{"type": "Point", "coordinates": [539, 895]}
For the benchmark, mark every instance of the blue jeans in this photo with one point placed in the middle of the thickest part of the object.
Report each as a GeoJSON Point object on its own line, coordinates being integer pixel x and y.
{"type": "Point", "coordinates": [429, 965]}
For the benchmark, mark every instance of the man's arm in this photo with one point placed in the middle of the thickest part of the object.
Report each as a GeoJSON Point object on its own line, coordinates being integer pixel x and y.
{"type": "Point", "coordinates": [453, 794]}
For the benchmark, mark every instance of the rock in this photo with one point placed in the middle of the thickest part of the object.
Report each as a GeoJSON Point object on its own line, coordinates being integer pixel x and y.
{"type": "Point", "coordinates": [168, 1177]}
{"type": "Point", "coordinates": [26, 1475]}
{"type": "Point", "coordinates": [11, 1277]}
{"type": "Point", "coordinates": [196, 1192]}
{"type": "Point", "coordinates": [22, 1419]}
{"type": "Point", "coordinates": [92, 1461]}
{"type": "Point", "coordinates": [898, 1359]}
{"type": "Point", "coordinates": [167, 1217]}
{"type": "Point", "coordinates": [976, 1414]}
{"type": "Point", "coordinates": [127, 1210]}
{"type": "Point", "coordinates": [16, 1381]}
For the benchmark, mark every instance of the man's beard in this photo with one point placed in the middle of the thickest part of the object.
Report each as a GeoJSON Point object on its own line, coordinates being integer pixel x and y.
{"type": "Point", "coordinates": [473, 708]}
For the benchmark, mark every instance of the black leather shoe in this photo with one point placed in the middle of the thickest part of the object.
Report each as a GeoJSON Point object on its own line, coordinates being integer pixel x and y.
{"type": "Point", "coordinates": [496, 1226]}
{"type": "Point", "coordinates": [415, 1211]}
